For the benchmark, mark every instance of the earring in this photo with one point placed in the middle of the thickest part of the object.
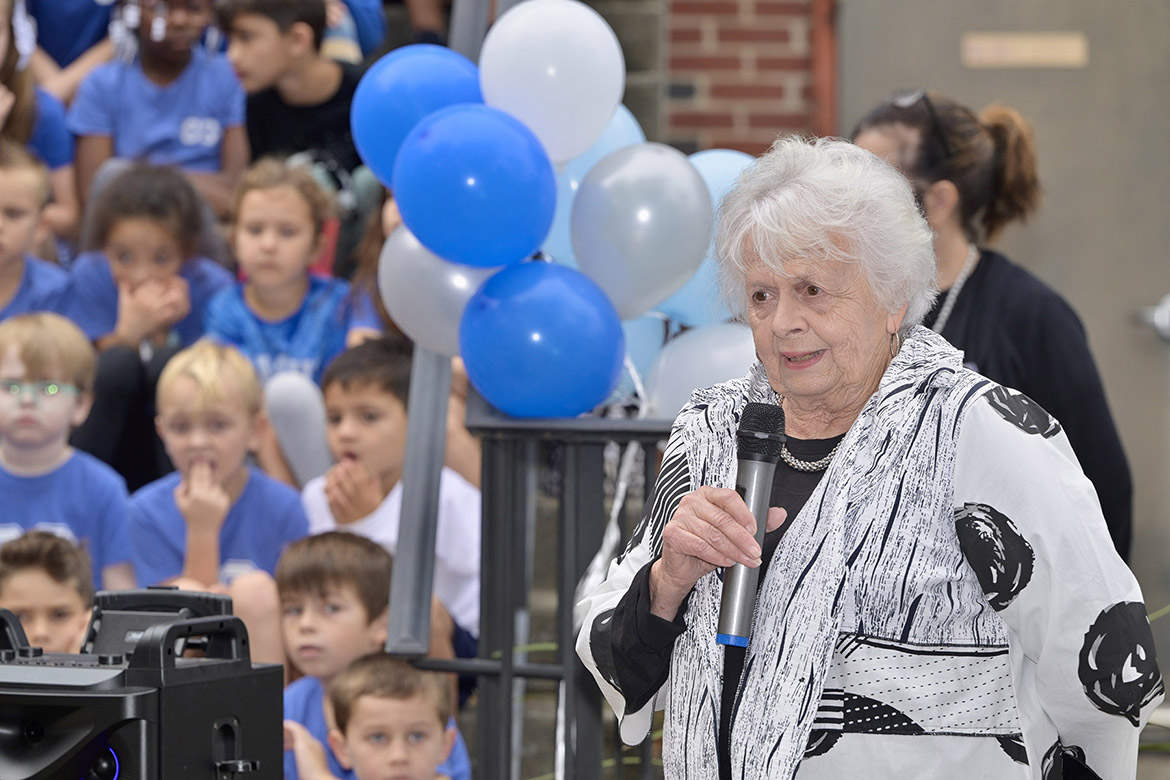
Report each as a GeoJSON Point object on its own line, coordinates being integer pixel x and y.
{"type": "Point", "coordinates": [895, 343]}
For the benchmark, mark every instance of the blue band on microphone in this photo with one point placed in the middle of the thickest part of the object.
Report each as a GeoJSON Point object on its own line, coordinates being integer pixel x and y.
{"type": "Point", "coordinates": [734, 641]}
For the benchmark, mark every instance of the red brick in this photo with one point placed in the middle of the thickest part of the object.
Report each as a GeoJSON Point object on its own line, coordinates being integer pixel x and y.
{"type": "Point", "coordinates": [752, 146]}
{"type": "Point", "coordinates": [700, 119]}
{"type": "Point", "coordinates": [704, 7]}
{"type": "Point", "coordinates": [782, 63]}
{"type": "Point", "coordinates": [778, 121]}
{"type": "Point", "coordinates": [743, 35]}
{"type": "Point", "coordinates": [704, 63]}
{"type": "Point", "coordinates": [686, 35]}
{"type": "Point", "coordinates": [770, 8]}
{"type": "Point", "coordinates": [748, 91]}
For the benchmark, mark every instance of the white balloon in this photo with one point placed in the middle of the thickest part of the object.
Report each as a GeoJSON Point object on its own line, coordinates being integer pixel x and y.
{"type": "Point", "coordinates": [698, 358]}
{"type": "Point", "coordinates": [424, 294]}
{"type": "Point", "coordinates": [555, 65]}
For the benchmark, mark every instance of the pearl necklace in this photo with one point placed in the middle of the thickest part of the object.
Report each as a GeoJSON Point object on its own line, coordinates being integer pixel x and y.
{"type": "Point", "coordinates": [948, 306]}
{"type": "Point", "coordinates": [805, 465]}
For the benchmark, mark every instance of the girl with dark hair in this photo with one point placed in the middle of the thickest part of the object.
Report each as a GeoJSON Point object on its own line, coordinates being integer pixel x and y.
{"type": "Point", "coordinates": [141, 296]}
{"type": "Point", "coordinates": [974, 174]}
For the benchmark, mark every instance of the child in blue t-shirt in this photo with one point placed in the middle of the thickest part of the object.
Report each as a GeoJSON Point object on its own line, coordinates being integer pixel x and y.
{"type": "Point", "coordinates": [46, 380]}
{"type": "Point", "coordinates": [216, 523]}
{"type": "Point", "coordinates": [174, 104]}
{"type": "Point", "coordinates": [281, 316]}
{"type": "Point", "coordinates": [289, 322]}
{"type": "Point", "coordinates": [27, 284]}
{"type": "Point", "coordinates": [139, 299]}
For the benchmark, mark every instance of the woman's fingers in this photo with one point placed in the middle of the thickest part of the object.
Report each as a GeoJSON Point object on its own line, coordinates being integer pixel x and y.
{"type": "Point", "coordinates": [708, 531]}
{"type": "Point", "coordinates": [726, 511]}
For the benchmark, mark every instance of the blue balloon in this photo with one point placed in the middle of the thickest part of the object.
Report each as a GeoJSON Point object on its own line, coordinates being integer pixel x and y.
{"type": "Point", "coordinates": [541, 340]}
{"type": "Point", "coordinates": [475, 186]}
{"type": "Point", "coordinates": [699, 303]}
{"type": "Point", "coordinates": [623, 130]}
{"type": "Point", "coordinates": [399, 90]}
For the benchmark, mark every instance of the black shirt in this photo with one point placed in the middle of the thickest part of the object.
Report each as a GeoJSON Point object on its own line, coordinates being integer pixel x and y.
{"type": "Point", "coordinates": [1018, 331]}
{"type": "Point", "coordinates": [642, 643]}
{"type": "Point", "coordinates": [276, 128]}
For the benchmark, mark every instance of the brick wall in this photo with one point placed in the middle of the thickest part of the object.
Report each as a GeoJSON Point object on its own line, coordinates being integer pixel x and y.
{"type": "Point", "coordinates": [738, 73]}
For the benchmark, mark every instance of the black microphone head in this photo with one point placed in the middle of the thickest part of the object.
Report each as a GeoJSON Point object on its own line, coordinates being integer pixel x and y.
{"type": "Point", "coordinates": [761, 431]}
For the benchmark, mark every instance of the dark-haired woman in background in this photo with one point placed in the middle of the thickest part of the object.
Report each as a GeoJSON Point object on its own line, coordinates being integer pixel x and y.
{"type": "Point", "coordinates": [974, 175]}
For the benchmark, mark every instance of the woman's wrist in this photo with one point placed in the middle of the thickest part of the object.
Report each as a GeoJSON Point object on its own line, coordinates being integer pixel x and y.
{"type": "Point", "coordinates": [665, 600]}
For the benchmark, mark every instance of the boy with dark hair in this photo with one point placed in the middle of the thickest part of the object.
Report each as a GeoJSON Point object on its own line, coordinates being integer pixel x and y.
{"type": "Point", "coordinates": [334, 593]}
{"type": "Point", "coordinates": [406, 708]}
{"type": "Point", "coordinates": [299, 100]}
{"type": "Point", "coordinates": [366, 391]}
{"type": "Point", "coordinates": [45, 580]}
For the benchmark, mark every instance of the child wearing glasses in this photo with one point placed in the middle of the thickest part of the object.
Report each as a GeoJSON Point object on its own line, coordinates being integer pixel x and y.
{"type": "Point", "coordinates": [46, 381]}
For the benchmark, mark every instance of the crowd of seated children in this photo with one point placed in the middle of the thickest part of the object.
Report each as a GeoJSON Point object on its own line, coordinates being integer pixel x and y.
{"type": "Point", "coordinates": [140, 365]}
{"type": "Point", "coordinates": [45, 581]}
{"type": "Point", "coordinates": [46, 385]}
{"type": "Point", "coordinates": [334, 595]}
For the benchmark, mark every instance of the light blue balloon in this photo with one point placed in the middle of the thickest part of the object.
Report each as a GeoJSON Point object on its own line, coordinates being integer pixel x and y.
{"type": "Point", "coordinates": [699, 302]}
{"type": "Point", "coordinates": [645, 337]}
{"type": "Point", "coordinates": [623, 130]}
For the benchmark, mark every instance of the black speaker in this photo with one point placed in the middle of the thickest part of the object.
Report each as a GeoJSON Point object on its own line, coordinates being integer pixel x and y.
{"type": "Point", "coordinates": [162, 696]}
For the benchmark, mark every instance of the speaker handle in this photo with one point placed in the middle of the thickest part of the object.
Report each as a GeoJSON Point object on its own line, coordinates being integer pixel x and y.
{"type": "Point", "coordinates": [12, 634]}
{"type": "Point", "coordinates": [227, 639]}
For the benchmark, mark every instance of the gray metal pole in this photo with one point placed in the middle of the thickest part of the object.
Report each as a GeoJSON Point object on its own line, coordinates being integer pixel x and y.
{"type": "Point", "coordinates": [414, 559]}
{"type": "Point", "coordinates": [409, 628]}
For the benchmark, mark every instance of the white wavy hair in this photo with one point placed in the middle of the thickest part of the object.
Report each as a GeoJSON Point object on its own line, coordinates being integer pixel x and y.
{"type": "Point", "coordinates": [826, 198]}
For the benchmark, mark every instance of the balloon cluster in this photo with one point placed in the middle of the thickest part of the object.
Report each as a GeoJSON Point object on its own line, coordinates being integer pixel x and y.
{"type": "Point", "coordinates": [469, 154]}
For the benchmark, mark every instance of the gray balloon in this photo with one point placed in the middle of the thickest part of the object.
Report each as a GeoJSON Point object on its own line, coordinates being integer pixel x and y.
{"type": "Point", "coordinates": [641, 224]}
{"type": "Point", "coordinates": [424, 294]}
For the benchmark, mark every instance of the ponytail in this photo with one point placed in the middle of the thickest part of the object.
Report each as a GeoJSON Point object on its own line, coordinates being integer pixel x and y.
{"type": "Point", "coordinates": [1017, 186]}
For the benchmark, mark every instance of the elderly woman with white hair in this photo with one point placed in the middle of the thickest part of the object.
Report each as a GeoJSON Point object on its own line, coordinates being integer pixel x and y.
{"type": "Point", "coordinates": [938, 595]}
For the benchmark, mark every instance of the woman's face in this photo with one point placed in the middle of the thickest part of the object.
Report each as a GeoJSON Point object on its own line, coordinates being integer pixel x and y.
{"type": "Point", "coordinates": [822, 336]}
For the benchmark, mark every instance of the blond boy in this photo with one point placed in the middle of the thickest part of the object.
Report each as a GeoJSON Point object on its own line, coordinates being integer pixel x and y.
{"type": "Point", "coordinates": [46, 381]}
{"type": "Point", "coordinates": [215, 521]}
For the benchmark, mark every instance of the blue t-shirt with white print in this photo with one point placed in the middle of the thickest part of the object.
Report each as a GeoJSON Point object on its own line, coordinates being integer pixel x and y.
{"type": "Point", "coordinates": [83, 500]}
{"type": "Point", "coordinates": [265, 518]}
{"type": "Point", "coordinates": [181, 123]}
{"type": "Point", "coordinates": [303, 342]}
{"type": "Point", "coordinates": [43, 287]}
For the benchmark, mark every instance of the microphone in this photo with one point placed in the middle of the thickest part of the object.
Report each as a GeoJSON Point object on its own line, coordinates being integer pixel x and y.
{"type": "Point", "coordinates": [758, 444]}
